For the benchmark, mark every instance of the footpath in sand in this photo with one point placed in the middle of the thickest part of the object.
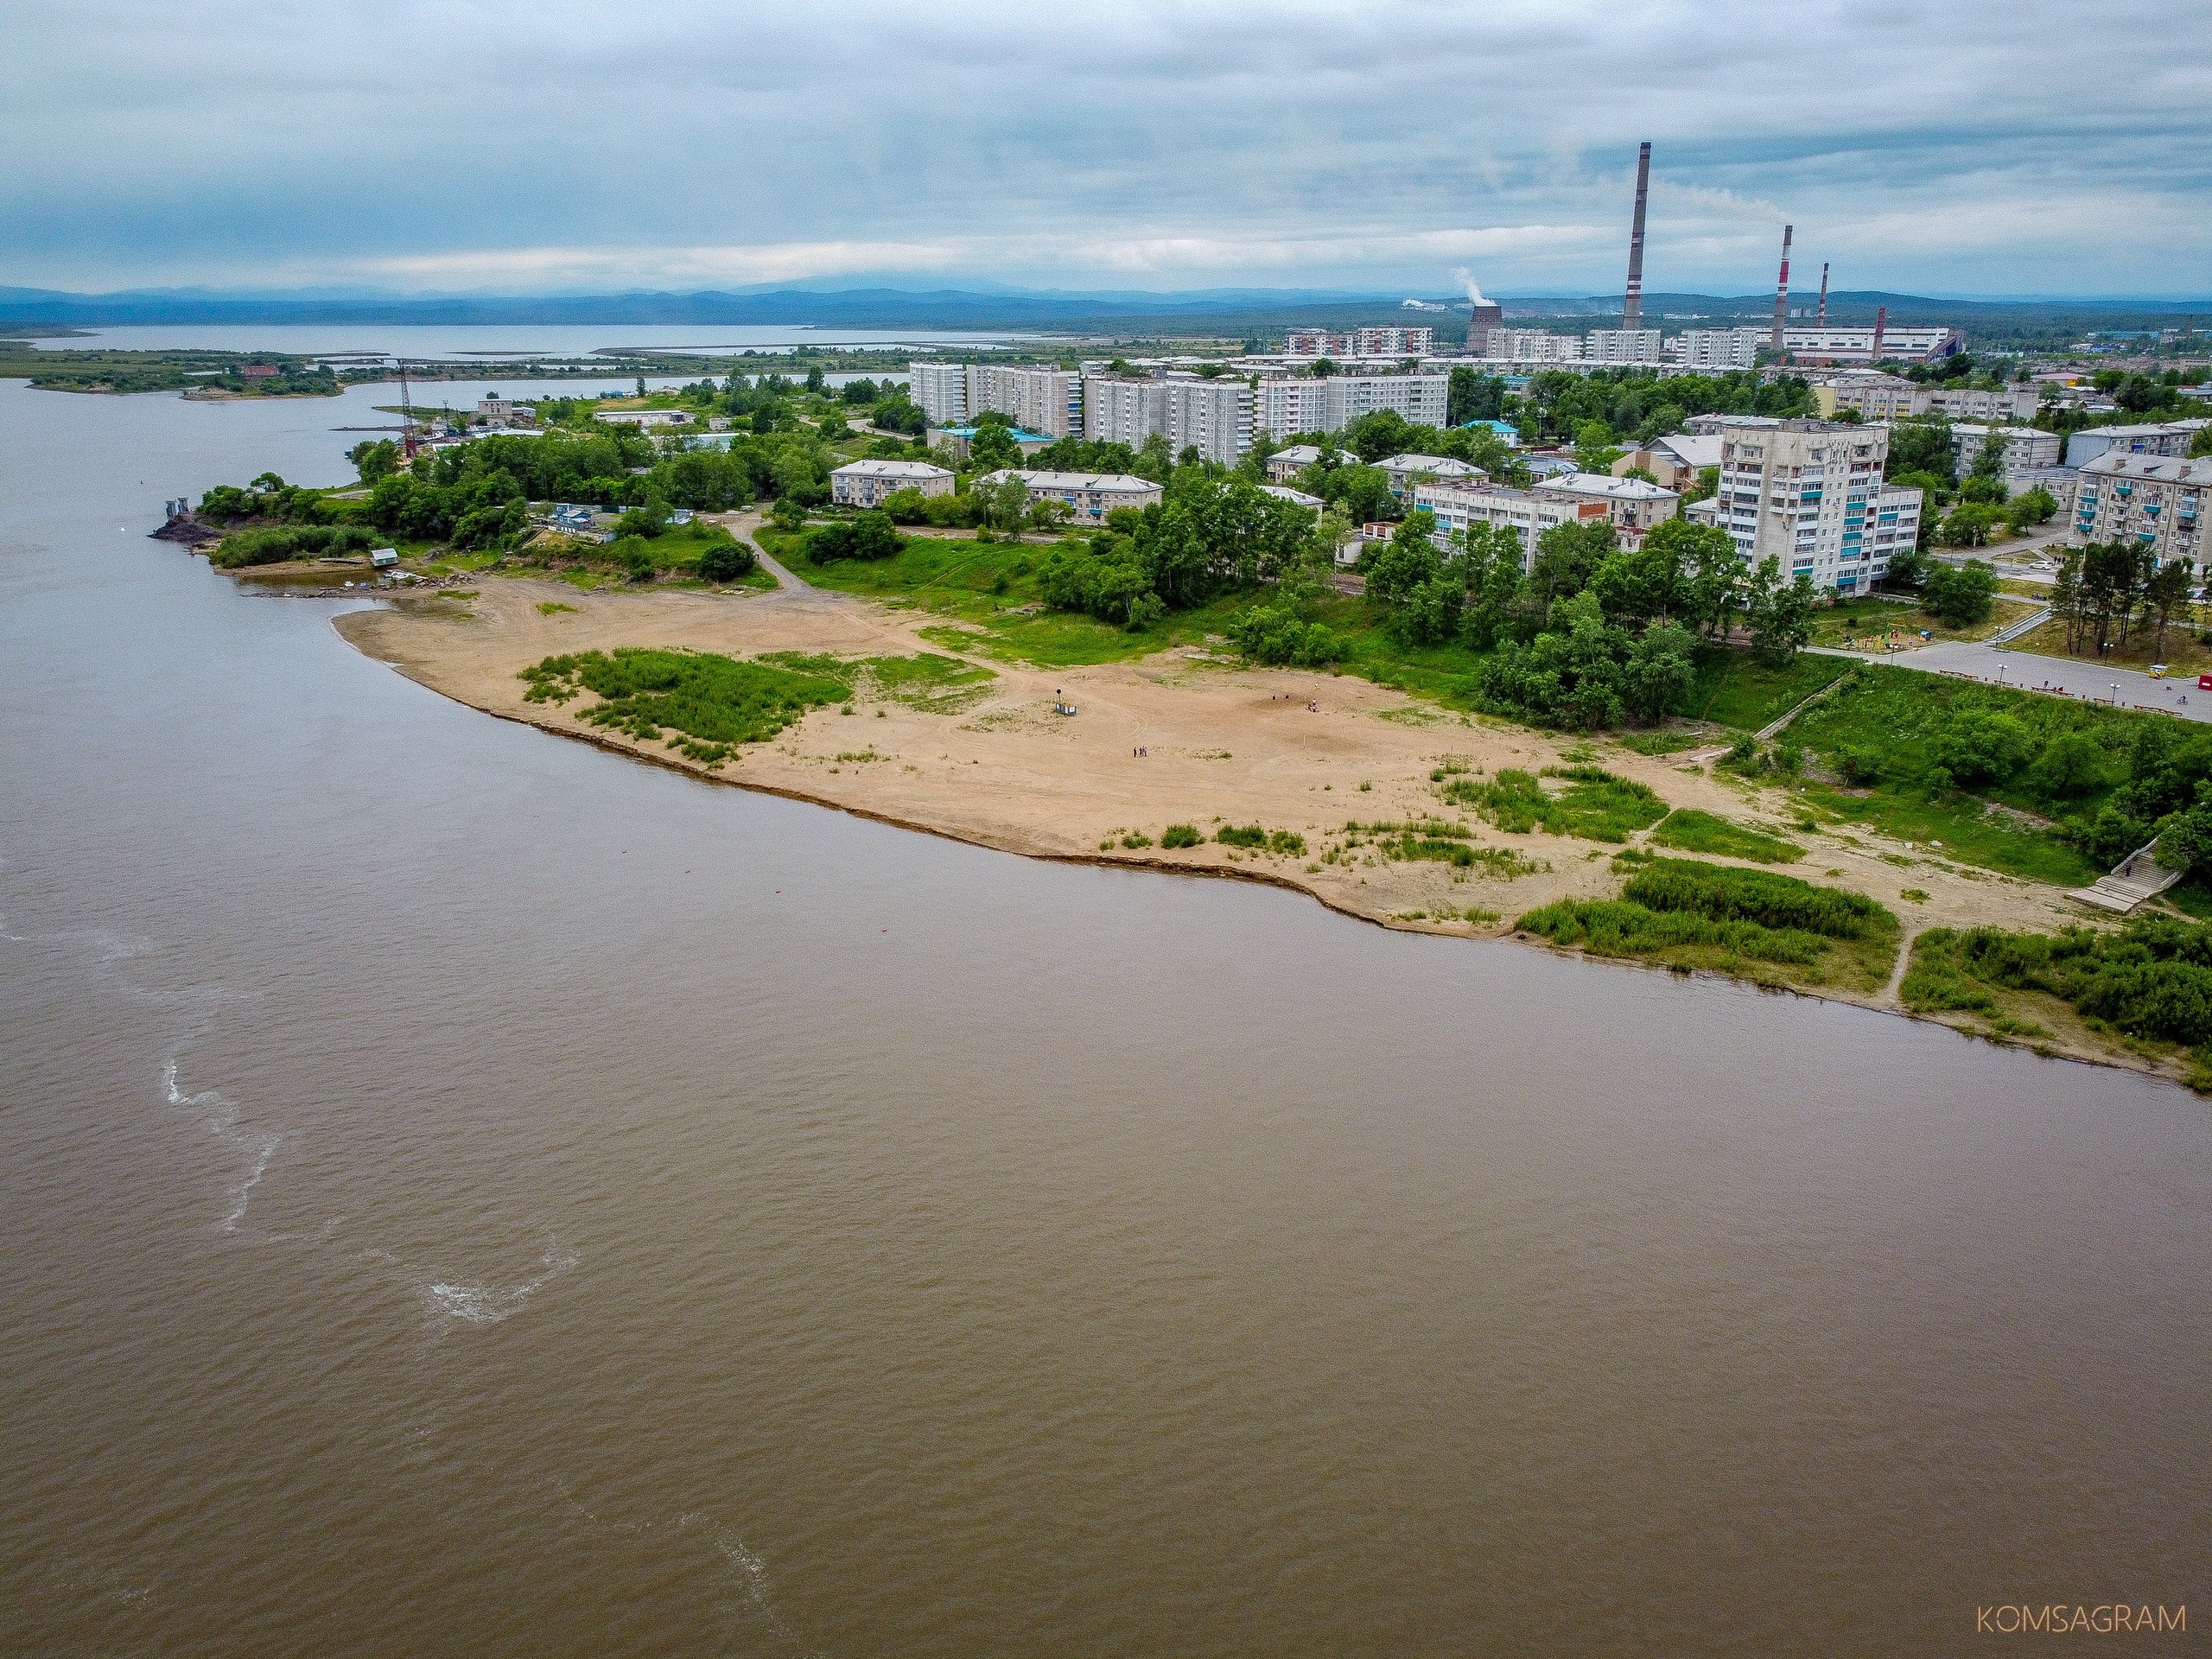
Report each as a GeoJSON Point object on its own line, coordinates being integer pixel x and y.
{"type": "Point", "coordinates": [1175, 738]}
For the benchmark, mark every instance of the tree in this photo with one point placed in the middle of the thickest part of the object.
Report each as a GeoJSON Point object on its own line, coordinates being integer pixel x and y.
{"type": "Point", "coordinates": [1921, 445]}
{"type": "Point", "coordinates": [1968, 524]}
{"type": "Point", "coordinates": [1979, 748]}
{"type": "Point", "coordinates": [725, 561]}
{"type": "Point", "coordinates": [2165, 592]}
{"type": "Point", "coordinates": [2031, 507]}
{"type": "Point", "coordinates": [993, 448]}
{"type": "Point", "coordinates": [2071, 763]}
{"type": "Point", "coordinates": [375, 459]}
{"type": "Point", "coordinates": [1002, 502]}
{"type": "Point", "coordinates": [1566, 556]}
{"type": "Point", "coordinates": [1778, 614]}
{"type": "Point", "coordinates": [1710, 573]}
{"type": "Point", "coordinates": [864, 536]}
{"type": "Point", "coordinates": [1960, 595]}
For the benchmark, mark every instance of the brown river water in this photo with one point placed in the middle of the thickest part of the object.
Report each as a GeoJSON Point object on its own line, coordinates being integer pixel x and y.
{"type": "Point", "coordinates": [467, 1192]}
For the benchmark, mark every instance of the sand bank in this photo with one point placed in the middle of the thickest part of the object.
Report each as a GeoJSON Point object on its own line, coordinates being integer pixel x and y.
{"type": "Point", "coordinates": [1177, 738]}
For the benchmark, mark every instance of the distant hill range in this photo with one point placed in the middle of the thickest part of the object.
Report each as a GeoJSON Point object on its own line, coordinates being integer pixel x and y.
{"type": "Point", "coordinates": [1216, 312]}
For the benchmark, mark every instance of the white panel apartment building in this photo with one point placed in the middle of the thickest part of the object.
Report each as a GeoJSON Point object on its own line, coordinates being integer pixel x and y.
{"type": "Point", "coordinates": [1297, 404]}
{"type": "Point", "coordinates": [1360, 342]}
{"type": "Point", "coordinates": [939, 390]}
{"type": "Point", "coordinates": [1212, 416]}
{"type": "Point", "coordinates": [1527, 513]}
{"type": "Point", "coordinates": [2160, 500]}
{"type": "Point", "coordinates": [1811, 495]}
{"type": "Point", "coordinates": [1623, 346]}
{"type": "Point", "coordinates": [2026, 447]}
{"type": "Point", "coordinates": [1719, 348]}
{"type": "Point", "coordinates": [1047, 400]}
{"type": "Point", "coordinates": [1531, 345]}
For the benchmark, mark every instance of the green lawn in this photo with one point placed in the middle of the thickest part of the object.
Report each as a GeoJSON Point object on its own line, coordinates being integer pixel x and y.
{"type": "Point", "coordinates": [1733, 690]}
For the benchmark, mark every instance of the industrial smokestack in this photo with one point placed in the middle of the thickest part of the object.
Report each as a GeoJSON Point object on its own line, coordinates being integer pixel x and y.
{"type": "Point", "coordinates": [1483, 315]}
{"type": "Point", "coordinates": [1632, 305]}
{"type": "Point", "coordinates": [1823, 318]}
{"type": "Point", "coordinates": [1881, 323]}
{"type": "Point", "coordinates": [1781, 290]}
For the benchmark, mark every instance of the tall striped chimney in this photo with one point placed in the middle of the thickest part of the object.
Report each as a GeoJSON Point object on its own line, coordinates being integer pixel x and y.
{"type": "Point", "coordinates": [1823, 318]}
{"type": "Point", "coordinates": [1632, 305]}
{"type": "Point", "coordinates": [1781, 290]}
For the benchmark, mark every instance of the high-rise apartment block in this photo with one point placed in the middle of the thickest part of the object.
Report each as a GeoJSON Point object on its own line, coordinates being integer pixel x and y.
{"type": "Point", "coordinates": [1360, 342]}
{"type": "Point", "coordinates": [1043, 400]}
{"type": "Point", "coordinates": [1719, 348]}
{"type": "Point", "coordinates": [1622, 346]}
{"type": "Point", "coordinates": [1810, 494]}
{"type": "Point", "coordinates": [1298, 403]}
{"type": "Point", "coordinates": [1212, 416]}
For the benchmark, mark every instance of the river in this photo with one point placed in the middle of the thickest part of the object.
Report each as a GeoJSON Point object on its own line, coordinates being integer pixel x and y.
{"type": "Point", "coordinates": [467, 1192]}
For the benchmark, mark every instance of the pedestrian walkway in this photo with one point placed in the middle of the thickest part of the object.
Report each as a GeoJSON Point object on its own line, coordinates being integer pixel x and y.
{"type": "Point", "coordinates": [2125, 688]}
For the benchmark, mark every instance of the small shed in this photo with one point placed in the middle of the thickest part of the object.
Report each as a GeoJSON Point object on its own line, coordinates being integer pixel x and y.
{"type": "Point", "coordinates": [384, 558]}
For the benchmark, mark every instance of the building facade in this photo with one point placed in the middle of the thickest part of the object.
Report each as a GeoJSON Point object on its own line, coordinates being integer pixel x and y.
{"type": "Point", "coordinates": [1623, 346]}
{"type": "Point", "coordinates": [1830, 344]}
{"type": "Point", "coordinates": [1043, 400]}
{"type": "Point", "coordinates": [865, 483]}
{"type": "Point", "coordinates": [1531, 345]}
{"type": "Point", "coordinates": [1634, 505]}
{"type": "Point", "coordinates": [1719, 349]}
{"type": "Point", "coordinates": [1088, 496]}
{"type": "Point", "coordinates": [1360, 342]}
{"type": "Point", "coordinates": [2000, 406]}
{"type": "Point", "coordinates": [1876, 395]}
{"type": "Point", "coordinates": [939, 390]}
{"type": "Point", "coordinates": [1212, 416]}
{"type": "Point", "coordinates": [1527, 513]}
{"type": "Point", "coordinates": [2159, 501]}
{"type": "Point", "coordinates": [2152, 438]}
{"type": "Point", "coordinates": [1405, 471]}
{"type": "Point", "coordinates": [2026, 447]}
{"type": "Point", "coordinates": [1302, 403]}
{"type": "Point", "coordinates": [1810, 494]}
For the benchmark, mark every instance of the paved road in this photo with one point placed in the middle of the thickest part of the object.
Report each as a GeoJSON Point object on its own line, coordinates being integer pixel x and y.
{"type": "Point", "coordinates": [2025, 669]}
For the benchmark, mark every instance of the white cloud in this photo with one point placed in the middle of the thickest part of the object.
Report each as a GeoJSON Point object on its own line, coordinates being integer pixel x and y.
{"type": "Point", "coordinates": [1387, 142]}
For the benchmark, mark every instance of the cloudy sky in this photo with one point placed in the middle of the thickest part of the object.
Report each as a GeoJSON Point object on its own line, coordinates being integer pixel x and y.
{"type": "Point", "coordinates": [2024, 148]}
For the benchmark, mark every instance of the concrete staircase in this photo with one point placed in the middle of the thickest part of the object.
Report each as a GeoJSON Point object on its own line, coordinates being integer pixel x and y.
{"type": "Point", "coordinates": [2139, 876]}
{"type": "Point", "coordinates": [2027, 624]}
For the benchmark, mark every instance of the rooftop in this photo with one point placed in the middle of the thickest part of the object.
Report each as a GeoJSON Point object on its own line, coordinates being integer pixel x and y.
{"type": "Point", "coordinates": [890, 469]}
{"type": "Point", "coordinates": [1111, 482]}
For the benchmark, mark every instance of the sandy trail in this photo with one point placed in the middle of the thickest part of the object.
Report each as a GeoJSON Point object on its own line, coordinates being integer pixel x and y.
{"type": "Point", "coordinates": [1175, 738]}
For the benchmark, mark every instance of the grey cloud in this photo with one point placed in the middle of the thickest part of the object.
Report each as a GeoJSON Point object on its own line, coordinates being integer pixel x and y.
{"type": "Point", "coordinates": [210, 141]}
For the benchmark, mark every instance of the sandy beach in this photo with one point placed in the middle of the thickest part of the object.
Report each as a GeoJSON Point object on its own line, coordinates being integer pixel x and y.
{"type": "Point", "coordinates": [1176, 738]}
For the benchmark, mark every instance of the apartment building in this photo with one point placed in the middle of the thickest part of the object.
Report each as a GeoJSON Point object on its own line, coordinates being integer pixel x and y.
{"type": "Point", "coordinates": [1675, 461]}
{"type": "Point", "coordinates": [2000, 406]}
{"type": "Point", "coordinates": [1360, 342]}
{"type": "Point", "coordinates": [1623, 346]}
{"type": "Point", "coordinates": [1719, 349]}
{"type": "Point", "coordinates": [1531, 345]}
{"type": "Point", "coordinates": [2151, 438]}
{"type": "Point", "coordinates": [1406, 471]}
{"type": "Point", "coordinates": [865, 483]}
{"type": "Point", "coordinates": [1876, 395]}
{"type": "Point", "coordinates": [2160, 500]}
{"type": "Point", "coordinates": [1285, 464]}
{"type": "Point", "coordinates": [1527, 513]}
{"type": "Point", "coordinates": [1045, 400]}
{"type": "Point", "coordinates": [1088, 496]}
{"type": "Point", "coordinates": [2026, 447]}
{"type": "Point", "coordinates": [1295, 404]}
{"type": "Point", "coordinates": [1810, 494]}
{"type": "Point", "coordinates": [1212, 416]}
{"type": "Point", "coordinates": [1634, 505]}
{"type": "Point", "coordinates": [939, 390]}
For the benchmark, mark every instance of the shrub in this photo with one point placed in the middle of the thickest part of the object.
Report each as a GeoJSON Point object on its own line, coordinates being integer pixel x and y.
{"type": "Point", "coordinates": [1249, 834]}
{"type": "Point", "coordinates": [1180, 835]}
{"type": "Point", "coordinates": [864, 536]}
{"type": "Point", "coordinates": [729, 561]}
{"type": "Point", "coordinates": [1680, 886]}
{"type": "Point", "coordinates": [714, 700]}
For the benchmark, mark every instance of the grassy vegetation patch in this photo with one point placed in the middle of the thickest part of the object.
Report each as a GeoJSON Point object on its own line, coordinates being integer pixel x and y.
{"type": "Point", "coordinates": [1593, 805]}
{"type": "Point", "coordinates": [1731, 689]}
{"type": "Point", "coordinates": [936, 684]}
{"type": "Point", "coordinates": [712, 704]}
{"type": "Point", "coordinates": [1689, 830]}
{"type": "Point", "coordinates": [1755, 924]}
{"type": "Point", "coordinates": [2150, 981]}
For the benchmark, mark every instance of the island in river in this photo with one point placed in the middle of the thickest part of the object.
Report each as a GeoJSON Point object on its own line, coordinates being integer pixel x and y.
{"type": "Point", "coordinates": [1330, 784]}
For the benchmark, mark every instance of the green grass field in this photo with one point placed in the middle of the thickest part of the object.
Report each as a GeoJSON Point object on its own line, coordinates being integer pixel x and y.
{"type": "Point", "coordinates": [1689, 830]}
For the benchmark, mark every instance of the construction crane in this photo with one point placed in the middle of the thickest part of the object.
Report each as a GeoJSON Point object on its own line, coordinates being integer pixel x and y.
{"type": "Point", "coordinates": [406, 413]}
